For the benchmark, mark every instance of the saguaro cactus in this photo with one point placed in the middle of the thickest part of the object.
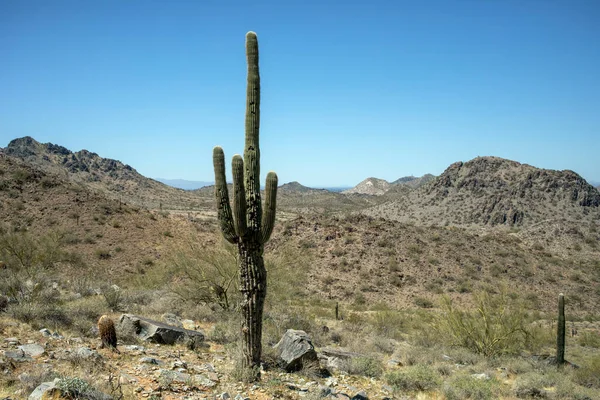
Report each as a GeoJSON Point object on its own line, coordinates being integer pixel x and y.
{"type": "Point", "coordinates": [560, 331]}
{"type": "Point", "coordinates": [248, 226]}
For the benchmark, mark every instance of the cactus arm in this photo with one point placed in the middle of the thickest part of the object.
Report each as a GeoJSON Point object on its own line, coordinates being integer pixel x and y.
{"type": "Point", "coordinates": [222, 196]}
{"type": "Point", "coordinates": [268, 217]}
{"type": "Point", "coordinates": [251, 149]}
{"type": "Point", "coordinates": [239, 195]}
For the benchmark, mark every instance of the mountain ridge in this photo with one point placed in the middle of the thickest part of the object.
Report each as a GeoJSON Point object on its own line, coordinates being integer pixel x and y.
{"type": "Point", "coordinates": [112, 177]}
{"type": "Point", "coordinates": [488, 191]}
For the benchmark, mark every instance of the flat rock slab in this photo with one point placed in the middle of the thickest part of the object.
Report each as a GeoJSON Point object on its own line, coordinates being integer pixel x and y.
{"type": "Point", "coordinates": [339, 353]}
{"type": "Point", "coordinates": [334, 358]}
{"type": "Point", "coordinates": [159, 332]}
{"type": "Point", "coordinates": [196, 380]}
{"type": "Point", "coordinates": [32, 350]}
{"type": "Point", "coordinates": [17, 355]}
{"type": "Point", "coordinates": [42, 388]}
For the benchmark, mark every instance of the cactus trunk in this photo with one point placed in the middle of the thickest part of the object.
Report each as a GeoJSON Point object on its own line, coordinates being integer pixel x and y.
{"type": "Point", "coordinates": [253, 285]}
{"type": "Point", "coordinates": [560, 331]}
{"type": "Point", "coordinates": [247, 225]}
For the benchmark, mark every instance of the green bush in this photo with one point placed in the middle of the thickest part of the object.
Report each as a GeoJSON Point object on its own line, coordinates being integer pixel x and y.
{"type": "Point", "coordinates": [114, 298]}
{"type": "Point", "coordinates": [497, 326]}
{"type": "Point", "coordinates": [467, 387]}
{"type": "Point", "coordinates": [206, 276]}
{"type": "Point", "coordinates": [389, 323]}
{"type": "Point", "coordinates": [589, 339]}
{"type": "Point", "coordinates": [589, 373]}
{"type": "Point", "coordinates": [75, 387]}
{"type": "Point", "coordinates": [415, 378]}
{"type": "Point", "coordinates": [423, 302]}
{"type": "Point", "coordinates": [364, 366]}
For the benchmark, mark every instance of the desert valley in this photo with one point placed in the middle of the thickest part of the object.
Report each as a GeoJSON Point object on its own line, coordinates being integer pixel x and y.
{"type": "Point", "coordinates": [389, 280]}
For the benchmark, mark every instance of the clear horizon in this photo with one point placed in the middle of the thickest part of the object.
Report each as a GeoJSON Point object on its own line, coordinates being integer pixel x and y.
{"type": "Point", "coordinates": [350, 90]}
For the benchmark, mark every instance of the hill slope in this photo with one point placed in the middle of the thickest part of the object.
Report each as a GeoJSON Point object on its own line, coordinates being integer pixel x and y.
{"type": "Point", "coordinates": [489, 191]}
{"type": "Point", "coordinates": [98, 235]}
{"type": "Point", "coordinates": [112, 177]}
{"type": "Point", "coordinates": [414, 181]}
{"type": "Point", "coordinates": [370, 186]}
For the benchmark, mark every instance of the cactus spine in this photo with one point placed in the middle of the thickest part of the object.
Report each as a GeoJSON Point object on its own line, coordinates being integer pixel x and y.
{"type": "Point", "coordinates": [247, 225]}
{"type": "Point", "coordinates": [560, 331]}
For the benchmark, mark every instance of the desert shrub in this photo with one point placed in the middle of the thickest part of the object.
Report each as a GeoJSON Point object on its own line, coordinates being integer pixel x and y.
{"type": "Point", "coordinates": [83, 285]}
{"type": "Point", "coordinates": [496, 326]}
{"type": "Point", "coordinates": [415, 378]}
{"type": "Point", "coordinates": [40, 315]}
{"type": "Point", "coordinates": [463, 356]}
{"type": "Point", "coordinates": [113, 298]}
{"type": "Point", "coordinates": [29, 381]}
{"type": "Point", "coordinates": [364, 366]}
{"type": "Point", "coordinates": [589, 339]}
{"type": "Point", "coordinates": [102, 254]}
{"type": "Point", "coordinates": [468, 387]}
{"type": "Point", "coordinates": [240, 373]}
{"type": "Point", "coordinates": [277, 321]}
{"type": "Point", "coordinates": [423, 302]}
{"type": "Point", "coordinates": [206, 276]}
{"type": "Point", "coordinates": [26, 254]}
{"type": "Point", "coordinates": [359, 299]}
{"type": "Point", "coordinates": [227, 330]}
{"type": "Point", "coordinates": [389, 323]}
{"type": "Point", "coordinates": [381, 345]}
{"type": "Point", "coordinates": [75, 388]}
{"type": "Point", "coordinates": [550, 382]}
{"type": "Point", "coordinates": [287, 269]}
{"type": "Point", "coordinates": [589, 373]}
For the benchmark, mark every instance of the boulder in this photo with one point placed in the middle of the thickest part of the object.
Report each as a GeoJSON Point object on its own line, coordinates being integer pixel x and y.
{"type": "Point", "coordinates": [39, 391]}
{"type": "Point", "coordinates": [32, 350]}
{"type": "Point", "coordinates": [295, 349]}
{"type": "Point", "coordinates": [17, 355]}
{"type": "Point", "coordinates": [158, 332]}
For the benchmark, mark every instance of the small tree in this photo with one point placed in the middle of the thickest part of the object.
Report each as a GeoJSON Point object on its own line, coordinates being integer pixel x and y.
{"type": "Point", "coordinates": [496, 326]}
{"type": "Point", "coordinates": [207, 276]}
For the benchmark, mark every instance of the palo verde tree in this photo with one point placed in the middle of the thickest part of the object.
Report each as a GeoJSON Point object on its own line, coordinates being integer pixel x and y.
{"type": "Point", "coordinates": [248, 225]}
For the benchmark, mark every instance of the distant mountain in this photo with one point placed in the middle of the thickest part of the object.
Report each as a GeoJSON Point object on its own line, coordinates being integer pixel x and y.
{"type": "Point", "coordinates": [184, 184]}
{"type": "Point", "coordinates": [496, 191]}
{"type": "Point", "coordinates": [112, 177]}
{"type": "Point", "coordinates": [296, 187]}
{"type": "Point", "coordinates": [335, 189]}
{"type": "Point", "coordinates": [370, 186]}
{"type": "Point", "coordinates": [379, 187]}
{"type": "Point", "coordinates": [414, 181]}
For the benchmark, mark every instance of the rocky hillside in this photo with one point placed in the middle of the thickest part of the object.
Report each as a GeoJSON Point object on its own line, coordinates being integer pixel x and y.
{"type": "Point", "coordinates": [414, 181]}
{"type": "Point", "coordinates": [112, 177]}
{"type": "Point", "coordinates": [379, 187]}
{"type": "Point", "coordinates": [488, 191]}
{"type": "Point", "coordinates": [64, 224]}
{"type": "Point", "coordinates": [358, 258]}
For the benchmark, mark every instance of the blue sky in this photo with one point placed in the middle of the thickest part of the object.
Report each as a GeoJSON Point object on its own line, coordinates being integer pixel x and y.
{"type": "Point", "coordinates": [349, 89]}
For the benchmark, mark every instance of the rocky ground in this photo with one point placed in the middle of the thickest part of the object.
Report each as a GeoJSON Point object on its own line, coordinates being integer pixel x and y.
{"type": "Point", "coordinates": [31, 360]}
